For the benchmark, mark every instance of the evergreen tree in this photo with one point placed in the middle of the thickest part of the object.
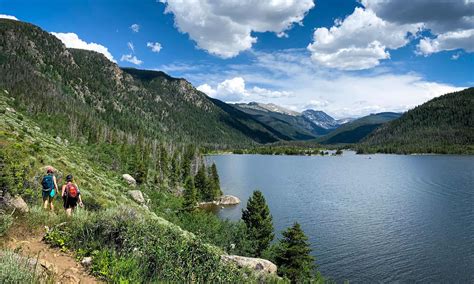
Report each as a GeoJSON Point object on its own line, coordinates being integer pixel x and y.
{"type": "Point", "coordinates": [214, 184]}
{"type": "Point", "coordinates": [258, 221]}
{"type": "Point", "coordinates": [190, 198]}
{"type": "Point", "coordinates": [164, 163]}
{"type": "Point", "coordinates": [293, 256]}
{"type": "Point", "coordinates": [175, 174]}
{"type": "Point", "coordinates": [201, 183]}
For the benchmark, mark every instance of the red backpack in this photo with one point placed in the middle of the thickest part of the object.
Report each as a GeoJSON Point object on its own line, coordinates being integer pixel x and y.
{"type": "Point", "coordinates": [71, 190]}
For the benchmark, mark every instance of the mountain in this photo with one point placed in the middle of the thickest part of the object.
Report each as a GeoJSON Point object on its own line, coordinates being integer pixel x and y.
{"type": "Point", "coordinates": [442, 125]}
{"type": "Point", "coordinates": [104, 102]}
{"type": "Point", "coordinates": [292, 125]}
{"type": "Point", "coordinates": [320, 119]}
{"type": "Point", "coordinates": [356, 130]}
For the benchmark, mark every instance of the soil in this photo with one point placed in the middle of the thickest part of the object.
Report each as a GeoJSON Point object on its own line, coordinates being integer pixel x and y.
{"type": "Point", "coordinates": [61, 265]}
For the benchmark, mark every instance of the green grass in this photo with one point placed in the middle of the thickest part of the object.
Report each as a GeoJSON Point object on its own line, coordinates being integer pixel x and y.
{"type": "Point", "coordinates": [17, 269]}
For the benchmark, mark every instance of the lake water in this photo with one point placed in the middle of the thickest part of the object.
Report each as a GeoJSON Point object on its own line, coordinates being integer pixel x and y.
{"type": "Point", "coordinates": [377, 218]}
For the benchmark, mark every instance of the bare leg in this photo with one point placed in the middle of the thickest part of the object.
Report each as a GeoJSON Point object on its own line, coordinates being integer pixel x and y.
{"type": "Point", "coordinates": [45, 204]}
{"type": "Point", "coordinates": [51, 204]}
{"type": "Point", "coordinates": [68, 212]}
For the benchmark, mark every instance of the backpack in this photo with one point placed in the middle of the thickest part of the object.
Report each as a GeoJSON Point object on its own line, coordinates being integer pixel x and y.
{"type": "Point", "coordinates": [47, 183]}
{"type": "Point", "coordinates": [71, 190]}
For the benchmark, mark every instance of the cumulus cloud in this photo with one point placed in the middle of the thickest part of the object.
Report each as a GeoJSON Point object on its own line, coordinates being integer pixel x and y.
{"type": "Point", "coordinates": [440, 16]}
{"type": "Point", "coordinates": [447, 41]}
{"type": "Point", "coordinates": [10, 17]}
{"type": "Point", "coordinates": [359, 41]}
{"type": "Point", "coordinates": [135, 28]}
{"type": "Point", "coordinates": [364, 38]}
{"type": "Point", "coordinates": [340, 94]}
{"type": "Point", "coordinates": [234, 90]}
{"type": "Point", "coordinates": [154, 46]}
{"type": "Point", "coordinates": [72, 40]}
{"type": "Point", "coordinates": [224, 28]}
{"type": "Point", "coordinates": [131, 58]}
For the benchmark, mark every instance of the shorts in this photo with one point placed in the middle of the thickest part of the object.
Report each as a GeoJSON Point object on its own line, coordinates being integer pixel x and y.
{"type": "Point", "coordinates": [48, 195]}
{"type": "Point", "coordinates": [69, 202]}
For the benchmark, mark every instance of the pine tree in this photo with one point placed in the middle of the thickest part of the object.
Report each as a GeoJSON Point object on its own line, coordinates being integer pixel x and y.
{"type": "Point", "coordinates": [214, 186]}
{"type": "Point", "coordinates": [164, 163]}
{"type": "Point", "coordinates": [258, 221]}
{"type": "Point", "coordinates": [201, 183]}
{"type": "Point", "coordinates": [293, 256]}
{"type": "Point", "coordinates": [175, 174]}
{"type": "Point", "coordinates": [190, 199]}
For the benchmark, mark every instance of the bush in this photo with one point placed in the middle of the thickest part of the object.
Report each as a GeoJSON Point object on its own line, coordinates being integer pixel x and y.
{"type": "Point", "coordinates": [6, 221]}
{"type": "Point", "coordinates": [126, 244]}
{"type": "Point", "coordinates": [16, 269]}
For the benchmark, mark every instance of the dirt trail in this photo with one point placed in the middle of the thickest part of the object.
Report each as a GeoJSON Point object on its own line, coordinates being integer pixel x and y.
{"type": "Point", "coordinates": [64, 267]}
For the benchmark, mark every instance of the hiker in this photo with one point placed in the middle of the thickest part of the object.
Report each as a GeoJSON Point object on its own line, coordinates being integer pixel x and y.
{"type": "Point", "coordinates": [49, 188]}
{"type": "Point", "coordinates": [71, 195]}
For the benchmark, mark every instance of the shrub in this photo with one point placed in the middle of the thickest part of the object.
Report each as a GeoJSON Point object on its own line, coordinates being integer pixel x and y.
{"type": "Point", "coordinates": [6, 221]}
{"type": "Point", "coordinates": [16, 269]}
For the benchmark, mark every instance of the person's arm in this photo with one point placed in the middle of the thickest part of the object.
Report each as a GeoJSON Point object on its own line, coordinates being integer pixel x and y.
{"type": "Point", "coordinates": [80, 200]}
{"type": "Point", "coordinates": [55, 184]}
{"type": "Point", "coordinates": [62, 190]}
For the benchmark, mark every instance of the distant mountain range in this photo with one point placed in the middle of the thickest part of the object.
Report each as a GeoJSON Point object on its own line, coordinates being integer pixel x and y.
{"type": "Point", "coordinates": [96, 100]}
{"type": "Point", "coordinates": [296, 126]}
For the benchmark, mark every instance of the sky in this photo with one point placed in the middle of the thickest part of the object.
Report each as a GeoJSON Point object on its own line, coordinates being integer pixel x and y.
{"type": "Point", "coordinates": [348, 58]}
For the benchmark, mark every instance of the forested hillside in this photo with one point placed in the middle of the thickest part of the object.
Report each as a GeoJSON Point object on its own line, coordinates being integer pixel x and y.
{"type": "Point", "coordinates": [102, 102]}
{"type": "Point", "coordinates": [442, 125]}
{"type": "Point", "coordinates": [355, 131]}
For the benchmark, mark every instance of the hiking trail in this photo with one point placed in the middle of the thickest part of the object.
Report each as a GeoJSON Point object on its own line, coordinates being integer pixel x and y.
{"type": "Point", "coordinates": [62, 265]}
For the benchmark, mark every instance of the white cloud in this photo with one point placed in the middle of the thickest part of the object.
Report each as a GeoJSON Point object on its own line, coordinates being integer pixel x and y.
{"type": "Point", "coordinates": [71, 40]}
{"type": "Point", "coordinates": [234, 90]}
{"type": "Point", "coordinates": [447, 41]}
{"type": "Point", "coordinates": [224, 28]}
{"type": "Point", "coordinates": [340, 94]}
{"type": "Point", "coordinates": [3, 16]}
{"type": "Point", "coordinates": [154, 46]}
{"type": "Point", "coordinates": [132, 59]}
{"type": "Point", "coordinates": [360, 41]}
{"type": "Point", "coordinates": [135, 28]}
{"type": "Point", "coordinates": [131, 46]}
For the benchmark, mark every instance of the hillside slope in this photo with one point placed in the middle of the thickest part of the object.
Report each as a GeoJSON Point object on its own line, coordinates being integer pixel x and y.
{"type": "Point", "coordinates": [291, 125]}
{"type": "Point", "coordinates": [84, 87]}
{"type": "Point", "coordinates": [442, 125]}
{"type": "Point", "coordinates": [355, 131]}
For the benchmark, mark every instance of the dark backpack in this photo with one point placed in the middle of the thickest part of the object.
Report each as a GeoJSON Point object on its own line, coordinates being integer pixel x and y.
{"type": "Point", "coordinates": [71, 191]}
{"type": "Point", "coordinates": [47, 183]}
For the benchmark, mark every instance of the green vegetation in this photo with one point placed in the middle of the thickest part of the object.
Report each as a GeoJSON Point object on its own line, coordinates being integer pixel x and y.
{"type": "Point", "coordinates": [17, 269]}
{"type": "Point", "coordinates": [355, 131]}
{"type": "Point", "coordinates": [293, 256]}
{"type": "Point", "coordinates": [258, 221]}
{"type": "Point", "coordinates": [444, 125]}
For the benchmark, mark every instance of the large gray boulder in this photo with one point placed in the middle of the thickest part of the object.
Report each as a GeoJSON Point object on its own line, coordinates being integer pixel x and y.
{"type": "Point", "coordinates": [257, 264]}
{"type": "Point", "coordinates": [16, 202]}
{"type": "Point", "coordinates": [228, 200]}
{"type": "Point", "coordinates": [130, 180]}
{"type": "Point", "coordinates": [137, 195]}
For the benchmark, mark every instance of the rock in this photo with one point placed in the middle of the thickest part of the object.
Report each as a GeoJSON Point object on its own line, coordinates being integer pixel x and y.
{"type": "Point", "coordinates": [137, 196]}
{"type": "Point", "coordinates": [58, 140]}
{"type": "Point", "coordinates": [224, 200]}
{"type": "Point", "coordinates": [70, 276]}
{"type": "Point", "coordinates": [16, 202]}
{"type": "Point", "coordinates": [10, 109]}
{"type": "Point", "coordinates": [228, 200]}
{"type": "Point", "coordinates": [86, 261]}
{"type": "Point", "coordinates": [37, 128]}
{"type": "Point", "coordinates": [130, 180]}
{"type": "Point", "coordinates": [257, 264]}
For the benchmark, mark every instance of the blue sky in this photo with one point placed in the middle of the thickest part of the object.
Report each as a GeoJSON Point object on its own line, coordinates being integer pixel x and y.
{"type": "Point", "coordinates": [348, 58]}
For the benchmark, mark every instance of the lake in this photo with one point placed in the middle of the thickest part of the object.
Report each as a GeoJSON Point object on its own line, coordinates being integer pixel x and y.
{"type": "Point", "coordinates": [369, 218]}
